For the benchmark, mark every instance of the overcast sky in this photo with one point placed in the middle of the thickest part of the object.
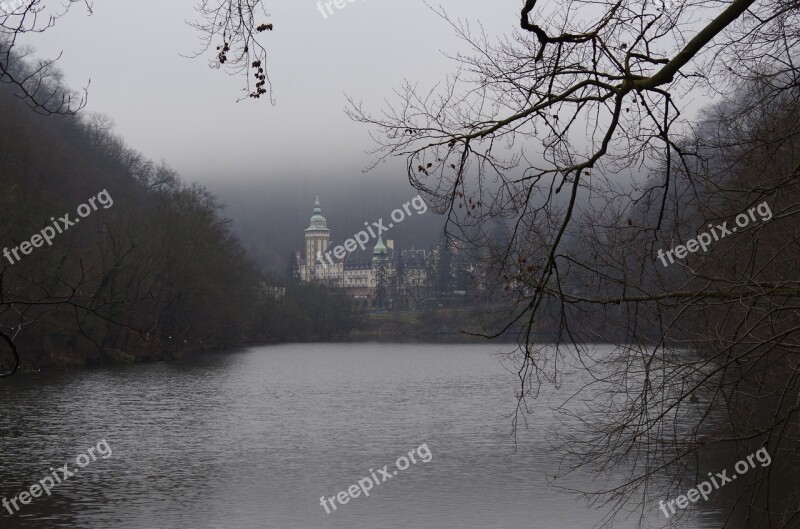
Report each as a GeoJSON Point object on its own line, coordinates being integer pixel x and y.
{"type": "Point", "coordinates": [178, 109]}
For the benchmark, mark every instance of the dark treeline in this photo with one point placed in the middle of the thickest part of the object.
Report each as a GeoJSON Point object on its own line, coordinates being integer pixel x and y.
{"type": "Point", "coordinates": [741, 154]}
{"type": "Point", "coordinates": [154, 274]}
{"type": "Point", "coordinates": [740, 157]}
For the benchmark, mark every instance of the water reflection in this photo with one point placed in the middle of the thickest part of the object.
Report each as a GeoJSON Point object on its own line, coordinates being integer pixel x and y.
{"type": "Point", "coordinates": [254, 438]}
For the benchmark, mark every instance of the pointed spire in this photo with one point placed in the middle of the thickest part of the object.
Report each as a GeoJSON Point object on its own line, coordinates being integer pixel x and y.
{"type": "Point", "coordinates": [380, 251]}
{"type": "Point", "coordinates": [317, 221]}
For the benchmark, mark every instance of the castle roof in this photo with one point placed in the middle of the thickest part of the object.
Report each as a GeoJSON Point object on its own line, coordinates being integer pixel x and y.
{"type": "Point", "coordinates": [317, 221]}
{"type": "Point", "coordinates": [380, 251]}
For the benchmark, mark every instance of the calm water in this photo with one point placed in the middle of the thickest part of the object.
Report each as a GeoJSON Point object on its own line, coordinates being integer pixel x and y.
{"type": "Point", "coordinates": [252, 439]}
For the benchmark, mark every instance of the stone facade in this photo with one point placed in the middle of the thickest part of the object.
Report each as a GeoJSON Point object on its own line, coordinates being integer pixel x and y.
{"type": "Point", "coordinates": [373, 280]}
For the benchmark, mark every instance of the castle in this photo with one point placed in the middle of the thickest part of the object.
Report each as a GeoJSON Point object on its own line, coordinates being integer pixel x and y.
{"type": "Point", "coordinates": [387, 279]}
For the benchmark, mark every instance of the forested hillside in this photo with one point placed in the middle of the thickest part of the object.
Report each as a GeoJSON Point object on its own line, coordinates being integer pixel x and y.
{"type": "Point", "coordinates": [151, 271]}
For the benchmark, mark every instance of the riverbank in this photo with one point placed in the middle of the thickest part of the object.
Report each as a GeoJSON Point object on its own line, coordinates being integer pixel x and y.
{"type": "Point", "coordinates": [444, 325]}
{"type": "Point", "coordinates": [456, 325]}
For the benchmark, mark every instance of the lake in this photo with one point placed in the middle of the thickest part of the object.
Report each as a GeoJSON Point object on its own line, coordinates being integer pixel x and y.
{"type": "Point", "coordinates": [253, 438]}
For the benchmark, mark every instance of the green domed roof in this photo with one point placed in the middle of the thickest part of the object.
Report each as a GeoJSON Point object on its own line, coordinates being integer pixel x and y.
{"type": "Point", "coordinates": [317, 221]}
{"type": "Point", "coordinates": [317, 211]}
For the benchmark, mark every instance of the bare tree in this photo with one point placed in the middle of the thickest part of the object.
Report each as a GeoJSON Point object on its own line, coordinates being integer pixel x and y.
{"type": "Point", "coordinates": [573, 134]}
{"type": "Point", "coordinates": [37, 84]}
{"type": "Point", "coordinates": [234, 26]}
{"type": "Point", "coordinates": [231, 27]}
{"type": "Point", "coordinates": [28, 306]}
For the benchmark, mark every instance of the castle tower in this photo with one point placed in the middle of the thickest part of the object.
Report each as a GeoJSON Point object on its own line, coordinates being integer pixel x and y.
{"type": "Point", "coordinates": [317, 236]}
{"type": "Point", "coordinates": [380, 261]}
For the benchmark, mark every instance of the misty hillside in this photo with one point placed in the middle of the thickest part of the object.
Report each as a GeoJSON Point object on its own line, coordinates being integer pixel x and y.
{"type": "Point", "coordinates": [143, 265]}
